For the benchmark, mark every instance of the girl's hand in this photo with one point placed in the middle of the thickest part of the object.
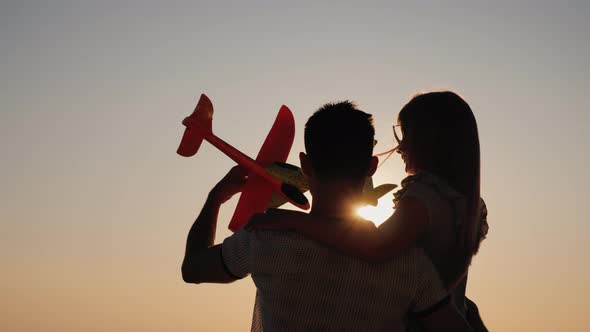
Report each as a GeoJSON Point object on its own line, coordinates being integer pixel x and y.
{"type": "Point", "coordinates": [276, 219]}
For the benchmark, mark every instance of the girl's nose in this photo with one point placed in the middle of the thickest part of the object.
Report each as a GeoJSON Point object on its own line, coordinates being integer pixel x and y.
{"type": "Point", "coordinates": [400, 147]}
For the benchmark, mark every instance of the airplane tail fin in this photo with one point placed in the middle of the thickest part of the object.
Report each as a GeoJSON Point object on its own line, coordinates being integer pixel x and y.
{"type": "Point", "coordinates": [198, 125]}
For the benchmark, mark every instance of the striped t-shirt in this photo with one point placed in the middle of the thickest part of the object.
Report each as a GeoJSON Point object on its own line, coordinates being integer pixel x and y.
{"type": "Point", "coordinates": [305, 286]}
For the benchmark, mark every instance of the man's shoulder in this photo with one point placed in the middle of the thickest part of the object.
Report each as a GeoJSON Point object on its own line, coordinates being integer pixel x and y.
{"type": "Point", "coordinates": [247, 252]}
{"type": "Point", "coordinates": [256, 240]}
{"type": "Point", "coordinates": [283, 240]}
{"type": "Point", "coordinates": [268, 236]}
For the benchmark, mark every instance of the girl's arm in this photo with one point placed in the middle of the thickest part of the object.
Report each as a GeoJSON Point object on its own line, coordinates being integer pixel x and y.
{"type": "Point", "coordinates": [356, 238]}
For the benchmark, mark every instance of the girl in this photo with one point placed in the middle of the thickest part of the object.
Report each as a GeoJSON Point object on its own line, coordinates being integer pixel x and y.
{"type": "Point", "coordinates": [438, 207]}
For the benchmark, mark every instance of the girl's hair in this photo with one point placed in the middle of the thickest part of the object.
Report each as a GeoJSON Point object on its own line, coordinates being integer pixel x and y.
{"type": "Point", "coordinates": [444, 141]}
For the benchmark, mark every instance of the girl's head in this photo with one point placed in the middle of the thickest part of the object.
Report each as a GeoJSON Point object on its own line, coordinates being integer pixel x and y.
{"type": "Point", "coordinates": [439, 135]}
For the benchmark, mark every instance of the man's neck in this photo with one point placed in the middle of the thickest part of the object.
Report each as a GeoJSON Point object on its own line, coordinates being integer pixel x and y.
{"type": "Point", "coordinates": [335, 201]}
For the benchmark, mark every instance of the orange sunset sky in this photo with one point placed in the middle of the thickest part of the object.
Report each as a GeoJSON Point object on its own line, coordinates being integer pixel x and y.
{"type": "Point", "coordinates": [96, 205]}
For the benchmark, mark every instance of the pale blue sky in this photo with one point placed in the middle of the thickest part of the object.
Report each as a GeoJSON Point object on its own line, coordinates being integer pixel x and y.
{"type": "Point", "coordinates": [96, 204]}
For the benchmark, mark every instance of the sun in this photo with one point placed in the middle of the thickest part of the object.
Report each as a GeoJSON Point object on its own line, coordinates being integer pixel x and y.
{"type": "Point", "coordinates": [377, 214]}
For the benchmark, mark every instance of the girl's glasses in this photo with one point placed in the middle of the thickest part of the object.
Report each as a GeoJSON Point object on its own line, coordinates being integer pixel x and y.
{"type": "Point", "coordinates": [398, 133]}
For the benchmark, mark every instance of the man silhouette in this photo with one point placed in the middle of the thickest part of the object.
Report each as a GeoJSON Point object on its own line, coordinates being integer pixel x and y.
{"type": "Point", "coordinates": [302, 285]}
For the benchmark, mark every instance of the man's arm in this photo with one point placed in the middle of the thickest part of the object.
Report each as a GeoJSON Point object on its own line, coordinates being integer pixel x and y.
{"type": "Point", "coordinates": [202, 261]}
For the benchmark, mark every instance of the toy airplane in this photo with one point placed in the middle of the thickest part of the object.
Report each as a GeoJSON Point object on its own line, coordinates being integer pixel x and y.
{"type": "Point", "coordinates": [260, 185]}
{"type": "Point", "coordinates": [271, 182]}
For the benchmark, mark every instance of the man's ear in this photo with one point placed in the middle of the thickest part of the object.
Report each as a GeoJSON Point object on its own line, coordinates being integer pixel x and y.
{"type": "Point", "coordinates": [305, 164]}
{"type": "Point", "coordinates": [373, 166]}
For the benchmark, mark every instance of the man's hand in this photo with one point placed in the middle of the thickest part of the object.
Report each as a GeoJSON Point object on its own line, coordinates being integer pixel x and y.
{"type": "Point", "coordinates": [202, 261]}
{"type": "Point", "coordinates": [231, 184]}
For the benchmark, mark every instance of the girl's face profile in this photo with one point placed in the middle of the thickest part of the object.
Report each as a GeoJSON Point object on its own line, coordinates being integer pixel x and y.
{"type": "Point", "coordinates": [402, 135]}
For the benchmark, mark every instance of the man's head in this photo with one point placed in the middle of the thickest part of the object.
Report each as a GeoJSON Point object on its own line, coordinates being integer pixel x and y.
{"type": "Point", "coordinates": [339, 144]}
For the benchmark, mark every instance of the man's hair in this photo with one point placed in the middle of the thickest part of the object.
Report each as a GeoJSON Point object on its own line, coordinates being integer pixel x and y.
{"type": "Point", "coordinates": [339, 141]}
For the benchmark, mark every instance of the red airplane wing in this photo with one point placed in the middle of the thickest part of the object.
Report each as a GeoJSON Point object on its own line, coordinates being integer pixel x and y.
{"type": "Point", "coordinates": [254, 199]}
{"type": "Point", "coordinates": [257, 192]}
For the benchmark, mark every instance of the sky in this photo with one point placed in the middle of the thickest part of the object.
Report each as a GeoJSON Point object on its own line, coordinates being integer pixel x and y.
{"type": "Point", "coordinates": [95, 204]}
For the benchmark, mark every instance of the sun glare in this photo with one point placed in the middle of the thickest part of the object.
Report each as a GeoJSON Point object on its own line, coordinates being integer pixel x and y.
{"type": "Point", "coordinates": [377, 214]}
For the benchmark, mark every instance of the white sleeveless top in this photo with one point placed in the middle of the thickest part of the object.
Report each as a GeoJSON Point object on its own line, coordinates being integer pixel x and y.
{"type": "Point", "coordinates": [446, 213]}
